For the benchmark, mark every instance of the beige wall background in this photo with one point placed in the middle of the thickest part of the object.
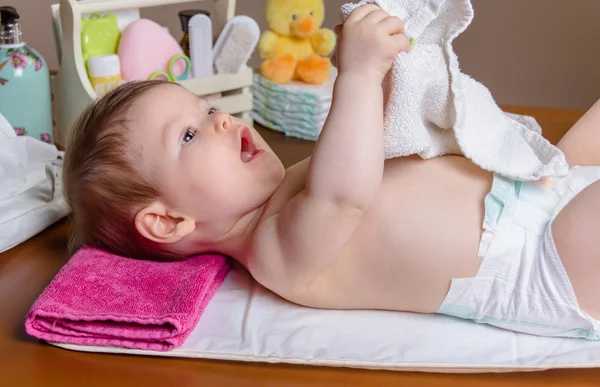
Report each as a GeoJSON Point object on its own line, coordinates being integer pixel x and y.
{"type": "Point", "coordinates": [527, 52]}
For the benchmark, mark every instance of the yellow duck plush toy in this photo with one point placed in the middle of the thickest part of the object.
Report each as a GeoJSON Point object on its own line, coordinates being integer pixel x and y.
{"type": "Point", "coordinates": [295, 46]}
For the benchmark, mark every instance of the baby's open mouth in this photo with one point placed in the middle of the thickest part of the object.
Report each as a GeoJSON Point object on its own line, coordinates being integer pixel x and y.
{"type": "Point", "coordinates": [248, 150]}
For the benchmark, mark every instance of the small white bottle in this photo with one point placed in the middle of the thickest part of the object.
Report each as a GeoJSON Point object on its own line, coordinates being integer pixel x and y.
{"type": "Point", "coordinates": [105, 73]}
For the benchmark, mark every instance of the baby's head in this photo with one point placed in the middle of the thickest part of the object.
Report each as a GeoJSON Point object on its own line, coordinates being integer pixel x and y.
{"type": "Point", "coordinates": [153, 172]}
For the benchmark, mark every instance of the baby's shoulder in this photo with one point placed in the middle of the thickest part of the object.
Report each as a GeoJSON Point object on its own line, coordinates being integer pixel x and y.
{"type": "Point", "coordinates": [266, 259]}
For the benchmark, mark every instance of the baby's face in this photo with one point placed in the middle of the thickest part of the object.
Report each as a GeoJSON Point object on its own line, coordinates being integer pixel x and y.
{"type": "Point", "coordinates": [207, 165]}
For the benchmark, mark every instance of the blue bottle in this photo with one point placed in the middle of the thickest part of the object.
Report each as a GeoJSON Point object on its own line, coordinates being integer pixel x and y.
{"type": "Point", "coordinates": [25, 98]}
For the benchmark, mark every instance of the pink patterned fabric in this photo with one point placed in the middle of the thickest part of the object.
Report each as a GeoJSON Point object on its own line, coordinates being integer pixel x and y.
{"type": "Point", "coordinates": [102, 299]}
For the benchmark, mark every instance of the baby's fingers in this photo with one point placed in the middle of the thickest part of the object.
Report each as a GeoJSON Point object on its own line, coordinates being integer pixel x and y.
{"type": "Point", "coordinates": [401, 43]}
{"type": "Point", "coordinates": [376, 17]}
{"type": "Point", "coordinates": [393, 25]}
{"type": "Point", "coordinates": [361, 12]}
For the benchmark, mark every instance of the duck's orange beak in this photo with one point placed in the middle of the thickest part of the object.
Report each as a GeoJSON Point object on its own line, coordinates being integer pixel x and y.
{"type": "Point", "coordinates": [304, 27]}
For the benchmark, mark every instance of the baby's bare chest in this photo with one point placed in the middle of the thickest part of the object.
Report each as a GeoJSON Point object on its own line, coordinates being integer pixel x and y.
{"type": "Point", "coordinates": [423, 230]}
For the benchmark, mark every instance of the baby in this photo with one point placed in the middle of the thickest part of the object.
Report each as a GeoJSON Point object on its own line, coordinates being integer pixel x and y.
{"type": "Point", "coordinates": [154, 172]}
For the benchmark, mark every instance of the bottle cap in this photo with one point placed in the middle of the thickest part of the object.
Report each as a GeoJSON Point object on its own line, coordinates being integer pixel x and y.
{"type": "Point", "coordinates": [104, 66]}
{"type": "Point", "coordinates": [10, 28]}
{"type": "Point", "coordinates": [187, 14]}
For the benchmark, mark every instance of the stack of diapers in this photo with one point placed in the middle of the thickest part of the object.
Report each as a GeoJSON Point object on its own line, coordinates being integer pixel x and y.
{"type": "Point", "coordinates": [295, 109]}
{"type": "Point", "coordinates": [102, 299]}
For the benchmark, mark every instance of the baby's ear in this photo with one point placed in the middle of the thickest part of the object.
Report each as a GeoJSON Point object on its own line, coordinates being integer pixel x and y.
{"type": "Point", "coordinates": [156, 223]}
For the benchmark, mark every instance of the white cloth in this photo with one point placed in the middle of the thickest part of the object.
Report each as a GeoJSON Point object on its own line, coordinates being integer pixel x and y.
{"type": "Point", "coordinates": [246, 322]}
{"type": "Point", "coordinates": [31, 197]}
{"type": "Point", "coordinates": [433, 109]}
{"type": "Point", "coordinates": [521, 284]}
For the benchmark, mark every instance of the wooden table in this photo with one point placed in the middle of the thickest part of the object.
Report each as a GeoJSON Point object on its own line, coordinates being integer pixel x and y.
{"type": "Point", "coordinates": [24, 361]}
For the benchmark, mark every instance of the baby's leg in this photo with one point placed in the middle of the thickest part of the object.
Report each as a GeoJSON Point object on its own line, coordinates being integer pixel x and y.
{"type": "Point", "coordinates": [581, 145]}
{"type": "Point", "coordinates": [576, 232]}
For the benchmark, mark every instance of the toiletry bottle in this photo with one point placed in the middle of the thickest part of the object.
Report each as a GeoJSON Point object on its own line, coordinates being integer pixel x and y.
{"type": "Point", "coordinates": [25, 98]}
{"type": "Point", "coordinates": [104, 72]}
{"type": "Point", "coordinates": [185, 17]}
{"type": "Point", "coordinates": [99, 35]}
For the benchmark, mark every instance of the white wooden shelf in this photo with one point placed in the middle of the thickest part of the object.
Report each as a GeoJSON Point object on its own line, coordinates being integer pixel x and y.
{"type": "Point", "coordinates": [73, 90]}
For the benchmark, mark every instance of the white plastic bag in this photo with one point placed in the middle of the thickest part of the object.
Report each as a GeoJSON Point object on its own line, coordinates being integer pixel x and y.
{"type": "Point", "coordinates": [31, 197]}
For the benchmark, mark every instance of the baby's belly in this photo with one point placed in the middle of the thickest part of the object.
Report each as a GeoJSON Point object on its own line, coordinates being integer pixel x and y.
{"type": "Point", "coordinates": [423, 231]}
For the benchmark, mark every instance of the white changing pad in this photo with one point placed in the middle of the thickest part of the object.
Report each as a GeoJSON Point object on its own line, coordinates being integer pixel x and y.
{"type": "Point", "coordinates": [245, 322]}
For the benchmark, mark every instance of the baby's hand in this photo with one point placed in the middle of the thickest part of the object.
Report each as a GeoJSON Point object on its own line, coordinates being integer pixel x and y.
{"type": "Point", "coordinates": [369, 41]}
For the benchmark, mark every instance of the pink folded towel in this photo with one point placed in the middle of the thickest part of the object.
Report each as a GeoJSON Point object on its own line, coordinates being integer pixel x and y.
{"type": "Point", "coordinates": [105, 300]}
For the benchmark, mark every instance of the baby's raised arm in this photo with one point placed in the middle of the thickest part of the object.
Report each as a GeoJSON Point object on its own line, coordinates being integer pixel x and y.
{"type": "Point", "coordinates": [346, 169]}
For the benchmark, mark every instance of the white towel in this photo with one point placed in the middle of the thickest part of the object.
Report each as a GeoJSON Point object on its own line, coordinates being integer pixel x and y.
{"type": "Point", "coordinates": [433, 109]}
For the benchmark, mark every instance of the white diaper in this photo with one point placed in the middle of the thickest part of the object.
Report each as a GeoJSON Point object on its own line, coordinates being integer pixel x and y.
{"type": "Point", "coordinates": [521, 284]}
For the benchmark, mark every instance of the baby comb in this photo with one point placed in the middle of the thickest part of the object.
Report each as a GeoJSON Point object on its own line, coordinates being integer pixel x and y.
{"type": "Point", "coordinates": [235, 44]}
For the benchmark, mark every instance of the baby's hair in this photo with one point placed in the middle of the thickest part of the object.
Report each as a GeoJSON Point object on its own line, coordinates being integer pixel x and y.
{"type": "Point", "coordinates": [102, 185]}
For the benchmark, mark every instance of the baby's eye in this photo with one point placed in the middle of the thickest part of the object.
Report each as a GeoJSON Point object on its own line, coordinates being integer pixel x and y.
{"type": "Point", "coordinates": [312, 13]}
{"type": "Point", "coordinates": [212, 111]}
{"type": "Point", "coordinates": [188, 136]}
{"type": "Point", "coordinates": [294, 17]}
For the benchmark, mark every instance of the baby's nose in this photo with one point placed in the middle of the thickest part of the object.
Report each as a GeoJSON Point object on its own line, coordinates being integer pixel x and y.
{"type": "Point", "coordinates": [223, 122]}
